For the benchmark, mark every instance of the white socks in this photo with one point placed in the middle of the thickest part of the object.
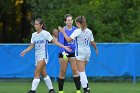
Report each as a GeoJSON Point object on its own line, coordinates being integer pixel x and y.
{"type": "Point", "coordinates": [35, 84]}
{"type": "Point", "coordinates": [83, 79]}
{"type": "Point", "coordinates": [48, 82]}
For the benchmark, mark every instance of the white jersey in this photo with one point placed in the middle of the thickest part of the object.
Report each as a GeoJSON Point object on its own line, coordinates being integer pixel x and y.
{"type": "Point", "coordinates": [40, 41]}
{"type": "Point", "coordinates": [83, 40]}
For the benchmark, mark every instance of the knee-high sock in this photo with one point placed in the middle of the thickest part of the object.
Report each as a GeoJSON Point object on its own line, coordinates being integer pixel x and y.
{"type": "Point", "coordinates": [83, 79]}
{"type": "Point", "coordinates": [48, 82]}
{"type": "Point", "coordinates": [77, 82]}
{"type": "Point", "coordinates": [60, 84]}
{"type": "Point", "coordinates": [35, 83]}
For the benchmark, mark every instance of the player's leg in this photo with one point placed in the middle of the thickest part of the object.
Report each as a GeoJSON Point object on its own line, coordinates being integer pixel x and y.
{"type": "Point", "coordinates": [47, 80]}
{"type": "Point", "coordinates": [87, 59]}
{"type": "Point", "coordinates": [38, 70]}
{"type": "Point", "coordinates": [61, 79]}
{"type": "Point", "coordinates": [75, 71]}
{"type": "Point", "coordinates": [83, 77]}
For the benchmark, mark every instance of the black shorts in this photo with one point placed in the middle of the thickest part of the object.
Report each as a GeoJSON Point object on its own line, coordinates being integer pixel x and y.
{"type": "Point", "coordinates": [70, 55]}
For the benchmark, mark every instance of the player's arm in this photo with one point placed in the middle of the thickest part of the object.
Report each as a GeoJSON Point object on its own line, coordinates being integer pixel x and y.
{"type": "Point", "coordinates": [27, 49]}
{"type": "Point", "coordinates": [50, 39]}
{"type": "Point", "coordinates": [93, 43]}
{"type": "Point", "coordinates": [95, 47]}
{"type": "Point", "coordinates": [61, 40]}
{"type": "Point", "coordinates": [60, 45]}
{"type": "Point", "coordinates": [68, 39]}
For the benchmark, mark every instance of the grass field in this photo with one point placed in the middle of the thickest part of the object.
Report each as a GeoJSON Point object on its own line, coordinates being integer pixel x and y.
{"type": "Point", "coordinates": [104, 87]}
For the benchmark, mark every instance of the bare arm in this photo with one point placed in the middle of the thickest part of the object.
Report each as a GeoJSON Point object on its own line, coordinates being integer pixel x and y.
{"type": "Point", "coordinates": [95, 47]}
{"type": "Point", "coordinates": [68, 39]}
{"type": "Point", "coordinates": [59, 44]}
{"type": "Point", "coordinates": [27, 49]}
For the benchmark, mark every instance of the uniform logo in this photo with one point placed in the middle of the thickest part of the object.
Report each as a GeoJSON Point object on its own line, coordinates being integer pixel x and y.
{"type": "Point", "coordinates": [39, 41]}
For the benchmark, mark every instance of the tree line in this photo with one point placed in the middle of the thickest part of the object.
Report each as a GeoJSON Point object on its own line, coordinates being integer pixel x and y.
{"type": "Point", "coordinates": [110, 20]}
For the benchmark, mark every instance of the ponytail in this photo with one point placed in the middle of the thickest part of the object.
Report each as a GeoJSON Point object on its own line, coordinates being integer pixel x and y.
{"type": "Point", "coordinates": [82, 21]}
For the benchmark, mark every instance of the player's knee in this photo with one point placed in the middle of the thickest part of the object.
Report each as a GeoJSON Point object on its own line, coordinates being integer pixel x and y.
{"type": "Point", "coordinates": [75, 72]}
{"type": "Point", "coordinates": [62, 74]}
{"type": "Point", "coordinates": [37, 71]}
{"type": "Point", "coordinates": [43, 73]}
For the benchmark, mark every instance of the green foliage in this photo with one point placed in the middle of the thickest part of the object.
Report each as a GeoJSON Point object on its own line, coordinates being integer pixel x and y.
{"type": "Point", "coordinates": [110, 20]}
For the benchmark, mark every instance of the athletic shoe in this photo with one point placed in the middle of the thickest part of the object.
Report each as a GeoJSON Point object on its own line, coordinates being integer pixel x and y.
{"type": "Point", "coordinates": [52, 91]}
{"type": "Point", "coordinates": [30, 91]}
{"type": "Point", "coordinates": [61, 91]}
{"type": "Point", "coordinates": [78, 91]}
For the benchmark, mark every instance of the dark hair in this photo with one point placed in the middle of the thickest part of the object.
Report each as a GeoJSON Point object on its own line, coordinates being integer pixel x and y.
{"type": "Point", "coordinates": [82, 21]}
{"type": "Point", "coordinates": [41, 22]}
{"type": "Point", "coordinates": [66, 16]}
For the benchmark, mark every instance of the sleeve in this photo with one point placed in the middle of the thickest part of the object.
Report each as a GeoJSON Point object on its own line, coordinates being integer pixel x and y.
{"type": "Point", "coordinates": [75, 33]}
{"type": "Point", "coordinates": [48, 36]}
{"type": "Point", "coordinates": [61, 40]}
{"type": "Point", "coordinates": [32, 42]}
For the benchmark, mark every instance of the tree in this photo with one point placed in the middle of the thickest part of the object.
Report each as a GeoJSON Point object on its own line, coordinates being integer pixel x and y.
{"type": "Point", "coordinates": [110, 20]}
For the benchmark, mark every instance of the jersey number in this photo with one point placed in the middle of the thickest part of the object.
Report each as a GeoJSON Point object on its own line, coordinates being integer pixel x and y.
{"type": "Point", "coordinates": [86, 41]}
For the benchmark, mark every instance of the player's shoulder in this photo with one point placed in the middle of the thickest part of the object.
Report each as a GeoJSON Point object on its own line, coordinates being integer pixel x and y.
{"type": "Point", "coordinates": [78, 29]}
{"type": "Point", "coordinates": [74, 27]}
{"type": "Point", "coordinates": [34, 33]}
{"type": "Point", "coordinates": [45, 32]}
{"type": "Point", "coordinates": [88, 30]}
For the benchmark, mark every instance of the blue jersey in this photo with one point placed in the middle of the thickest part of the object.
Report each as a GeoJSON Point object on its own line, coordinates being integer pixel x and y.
{"type": "Point", "coordinates": [62, 40]}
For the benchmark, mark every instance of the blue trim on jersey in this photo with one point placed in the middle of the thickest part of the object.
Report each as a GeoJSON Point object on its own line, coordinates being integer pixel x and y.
{"type": "Point", "coordinates": [76, 49]}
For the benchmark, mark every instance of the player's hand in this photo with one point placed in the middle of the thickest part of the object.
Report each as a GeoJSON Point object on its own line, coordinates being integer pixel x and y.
{"type": "Point", "coordinates": [22, 53]}
{"type": "Point", "coordinates": [64, 53]}
{"type": "Point", "coordinates": [97, 52]}
{"type": "Point", "coordinates": [68, 48]}
{"type": "Point", "coordinates": [65, 56]}
{"type": "Point", "coordinates": [61, 29]}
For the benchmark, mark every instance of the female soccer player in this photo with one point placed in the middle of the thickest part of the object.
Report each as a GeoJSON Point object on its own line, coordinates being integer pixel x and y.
{"type": "Point", "coordinates": [84, 36]}
{"type": "Point", "coordinates": [39, 40]}
{"type": "Point", "coordinates": [68, 56]}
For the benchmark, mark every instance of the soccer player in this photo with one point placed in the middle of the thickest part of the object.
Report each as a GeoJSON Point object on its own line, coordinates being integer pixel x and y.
{"type": "Point", "coordinates": [68, 56]}
{"type": "Point", "coordinates": [84, 36]}
{"type": "Point", "coordinates": [39, 40]}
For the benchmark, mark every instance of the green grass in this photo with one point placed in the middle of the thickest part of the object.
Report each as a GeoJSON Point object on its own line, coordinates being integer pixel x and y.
{"type": "Point", "coordinates": [69, 87]}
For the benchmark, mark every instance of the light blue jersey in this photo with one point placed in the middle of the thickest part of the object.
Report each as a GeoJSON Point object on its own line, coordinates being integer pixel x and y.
{"type": "Point", "coordinates": [40, 41]}
{"type": "Point", "coordinates": [83, 40]}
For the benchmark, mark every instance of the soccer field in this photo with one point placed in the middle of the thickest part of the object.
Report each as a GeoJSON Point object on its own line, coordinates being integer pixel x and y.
{"type": "Point", "coordinates": [105, 87]}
